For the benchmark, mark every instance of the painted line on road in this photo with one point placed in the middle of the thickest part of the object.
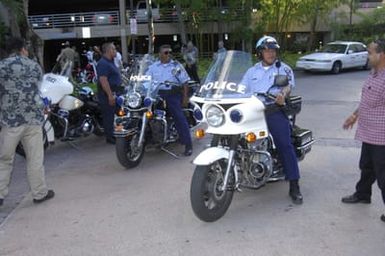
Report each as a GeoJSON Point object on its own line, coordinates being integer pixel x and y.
{"type": "Point", "coordinates": [329, 102]}
{"type": "Point", "coordinates": [338, 142]}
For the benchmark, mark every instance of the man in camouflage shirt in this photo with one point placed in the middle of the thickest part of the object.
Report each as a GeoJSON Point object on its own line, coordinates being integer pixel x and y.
{"type": "Point", "coordinates": [21, 118]}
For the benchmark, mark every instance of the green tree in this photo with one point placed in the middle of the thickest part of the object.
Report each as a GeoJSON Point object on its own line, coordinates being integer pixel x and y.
{"type": "Point", "coordinates": [314, 11]}
{"type": "Point", "coordinates": [18, 25]}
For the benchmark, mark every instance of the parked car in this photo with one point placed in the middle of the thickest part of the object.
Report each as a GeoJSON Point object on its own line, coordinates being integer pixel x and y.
{"type": "Point", "coordinates": [104, 18]}
{"type": "Point", "coordinates": [141, 11]}
{"type": "Point", "coordinates": [336, 56]}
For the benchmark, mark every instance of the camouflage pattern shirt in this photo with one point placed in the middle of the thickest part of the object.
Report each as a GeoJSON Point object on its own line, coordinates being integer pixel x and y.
{"type": "Point", "coordinates": [20, 101]}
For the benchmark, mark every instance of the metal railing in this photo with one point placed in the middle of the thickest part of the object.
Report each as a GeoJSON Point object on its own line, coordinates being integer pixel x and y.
{"type": "Point", "coordinates": [87, 19]}
{"type": "Point", "coordinates": [83, 19]}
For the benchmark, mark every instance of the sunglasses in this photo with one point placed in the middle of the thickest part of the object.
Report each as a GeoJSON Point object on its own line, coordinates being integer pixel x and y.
{"type": "Point", "coordinates": [166, 52]}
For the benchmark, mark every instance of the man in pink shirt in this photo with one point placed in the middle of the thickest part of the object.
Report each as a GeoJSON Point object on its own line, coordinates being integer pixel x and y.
{"type": "Point", "coordinates": [371, 128]}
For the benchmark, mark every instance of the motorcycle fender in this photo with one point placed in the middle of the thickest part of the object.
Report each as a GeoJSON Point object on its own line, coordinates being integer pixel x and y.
{"type": "Point", "coordinates": [49, 131]}
{"type": "Point", "coordinates": [210, 155]}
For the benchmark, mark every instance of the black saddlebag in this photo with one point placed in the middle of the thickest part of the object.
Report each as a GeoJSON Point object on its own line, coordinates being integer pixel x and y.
{"type": "Point", "coordinates": [293, 105]}
{"type": "Point", "coordinates": [302, 140]}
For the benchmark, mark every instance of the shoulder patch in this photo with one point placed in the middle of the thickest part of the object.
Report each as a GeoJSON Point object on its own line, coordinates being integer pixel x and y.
{"type": "Point", "coordinates": [287, 70]}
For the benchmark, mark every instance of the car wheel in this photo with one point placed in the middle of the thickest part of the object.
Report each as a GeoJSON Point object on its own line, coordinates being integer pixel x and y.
{"type": "Point", "coordinates": [336, 67]}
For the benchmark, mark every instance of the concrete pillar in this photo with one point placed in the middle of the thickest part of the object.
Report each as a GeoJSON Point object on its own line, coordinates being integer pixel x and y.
{"type": "Point", "coordinates": [123, 26]}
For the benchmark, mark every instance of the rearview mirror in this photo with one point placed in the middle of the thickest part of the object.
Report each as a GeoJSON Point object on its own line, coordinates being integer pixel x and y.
{"type": "Point", "coordinates": [350, 51]}
{"type": "Point", "coordinates": [281, 80]}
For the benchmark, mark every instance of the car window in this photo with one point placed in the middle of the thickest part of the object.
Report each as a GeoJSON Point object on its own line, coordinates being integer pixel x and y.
{"type": "Point", "coordinates": [334, 48]}
{"type": "Point", "coordinates": [142, 5]}
{"type": "Point", "coordinates": [360, 48]}
{"type": "Point", "coordinates": [353, 48]}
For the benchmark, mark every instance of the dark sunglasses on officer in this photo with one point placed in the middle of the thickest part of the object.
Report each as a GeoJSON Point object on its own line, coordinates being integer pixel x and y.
{"type": "Point", "coordinates": [166, 52]}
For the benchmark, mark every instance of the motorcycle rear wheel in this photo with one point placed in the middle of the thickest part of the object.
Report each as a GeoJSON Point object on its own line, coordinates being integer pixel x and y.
{"type": "Point", "coordinates": [127, 151]}
{"type": "Point", "coordinates": [208, 202]}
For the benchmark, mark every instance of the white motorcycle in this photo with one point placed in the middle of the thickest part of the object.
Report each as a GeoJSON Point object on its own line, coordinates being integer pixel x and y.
{"type": "Point", "coordinates": [242, 152]}
{"type": "Point", "coordinates": [67, 116]}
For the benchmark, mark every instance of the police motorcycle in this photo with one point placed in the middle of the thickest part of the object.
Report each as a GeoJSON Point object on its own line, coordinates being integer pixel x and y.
{"type": "Point", "coordinates": [67, 116]}
{"type": "Point", "coordinates": [73, 110]}
{"type": "Point", "coordinates": [242, 152]}
{"type": "Point", "coordinates": [141, 119]}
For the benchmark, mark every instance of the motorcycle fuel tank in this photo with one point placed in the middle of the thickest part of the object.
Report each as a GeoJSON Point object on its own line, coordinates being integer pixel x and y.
{"type": "Point", "coordinates": [55, 87]}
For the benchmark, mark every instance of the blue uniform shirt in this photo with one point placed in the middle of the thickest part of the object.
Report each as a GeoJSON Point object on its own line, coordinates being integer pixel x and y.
{"type": "Point", "coordinates": [259, 78]}
{"type": "Point", "coordinates": [161, 72]}
{"type": "Point", "coordinates": [108, 69]}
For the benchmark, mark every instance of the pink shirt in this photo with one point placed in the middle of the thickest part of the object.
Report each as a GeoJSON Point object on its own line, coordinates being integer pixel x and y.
{"type": "Point", "coordinates": [371, 111]}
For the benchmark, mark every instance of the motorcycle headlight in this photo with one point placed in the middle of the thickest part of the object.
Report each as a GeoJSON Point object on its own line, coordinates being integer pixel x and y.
{"type": "Point", "coordinates": [215, 116]}
{"type": "Point", "coordinates": [133, 100]}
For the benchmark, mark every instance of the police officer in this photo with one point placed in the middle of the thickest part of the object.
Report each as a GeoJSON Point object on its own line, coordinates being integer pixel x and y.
{"type": "Point", "coordinates": [166, 69]}
{"type": "Point", "coordinates": [260, 78]}
{"type": "Point", "coordinates": [109, 80]}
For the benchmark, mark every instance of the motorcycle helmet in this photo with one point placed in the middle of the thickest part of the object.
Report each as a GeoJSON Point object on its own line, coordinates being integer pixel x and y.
{"type": "Point", "coordinates": [266, 42]}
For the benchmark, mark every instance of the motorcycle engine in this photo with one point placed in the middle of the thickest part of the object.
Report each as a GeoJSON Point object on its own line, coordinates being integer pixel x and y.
{"type": "Point", "coordinates": [157, 131]}
{"type": "Point", "coordinates": [86, 125]}
{"type": "Point", "coordinates": [256, 164]}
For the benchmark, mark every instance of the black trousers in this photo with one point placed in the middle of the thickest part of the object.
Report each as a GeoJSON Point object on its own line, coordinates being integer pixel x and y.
{"type": "Point", "coordinates": [108, 114]}
{"type": "Point", "coordinates": [192, 71]}
{"type": "Point", "coordinates": [372, 165]}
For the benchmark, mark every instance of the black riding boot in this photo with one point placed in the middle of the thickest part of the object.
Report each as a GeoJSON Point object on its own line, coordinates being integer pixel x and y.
{"type": "Point", "coordinates": [295, 193]}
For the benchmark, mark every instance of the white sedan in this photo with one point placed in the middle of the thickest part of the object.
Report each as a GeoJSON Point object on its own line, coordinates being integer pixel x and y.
{"type": "Point", "coordinates": [336, 56]}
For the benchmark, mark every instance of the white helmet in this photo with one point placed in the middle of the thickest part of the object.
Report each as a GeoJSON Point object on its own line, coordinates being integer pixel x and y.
{"type": "Point", "coordinates": [266, 42]}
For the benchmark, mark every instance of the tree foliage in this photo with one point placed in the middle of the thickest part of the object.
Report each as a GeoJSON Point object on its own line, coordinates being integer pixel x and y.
{"type": "Point", "coordinates": [371, 27]}
{"type": "Point", "coordinates": [17, 12]}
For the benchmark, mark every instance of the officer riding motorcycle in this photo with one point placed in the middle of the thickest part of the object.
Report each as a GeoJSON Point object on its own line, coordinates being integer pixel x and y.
{"type": "Point", "coordinates": [168, 70]}
{"type": "Point", "coordinates": [260, 77]}
{"type": "Point", "coordinates": [251, 117]}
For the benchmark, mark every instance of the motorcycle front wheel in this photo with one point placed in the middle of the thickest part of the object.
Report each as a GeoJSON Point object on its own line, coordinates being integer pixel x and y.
{"type": "Point", "coordinates": [128, 151]}
{"type": "Point", "coordinates": [208, 202]}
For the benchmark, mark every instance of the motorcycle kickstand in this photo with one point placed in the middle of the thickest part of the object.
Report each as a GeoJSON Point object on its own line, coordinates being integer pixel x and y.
{"type": "Point", "coordinates": [169, 152]}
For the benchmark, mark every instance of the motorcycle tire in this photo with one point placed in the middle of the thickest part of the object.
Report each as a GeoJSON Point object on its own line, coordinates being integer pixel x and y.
{"type": "Point", "coordinates": [20, 149]}
{"type": "Point", "coordinates": [208, 202]}
{"type": "Point", "coordinates": [124, 151]}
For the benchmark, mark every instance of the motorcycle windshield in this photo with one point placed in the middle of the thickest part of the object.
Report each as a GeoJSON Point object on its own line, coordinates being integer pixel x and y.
{"type": "Point", "coordinates": [224, 77]}
{"type": "Point", "coordinates": [139, 81]}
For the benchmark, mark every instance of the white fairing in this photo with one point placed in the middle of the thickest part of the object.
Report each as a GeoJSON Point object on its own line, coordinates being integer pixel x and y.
{"type": "Point", "coordinates": [69, 103]}
{"type": "Point", "coordinates": [210, 155]}
{"type": "Point", "coordinates": [55, 87]}
{"type": "Point", "coordinates": [253, 116]}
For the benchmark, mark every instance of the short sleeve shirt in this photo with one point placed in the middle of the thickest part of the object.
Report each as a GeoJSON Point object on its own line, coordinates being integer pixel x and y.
{"type": "Point", "coordinates": [20, 101]}
{"type": "Point", "coordinates": [259, 78]}
{"type": "Point", "coordinates": [108, 69]}
{"type": "Point", "coordinates": [371, 111]}
{"type": "Point", "coordinates": [161, 72]}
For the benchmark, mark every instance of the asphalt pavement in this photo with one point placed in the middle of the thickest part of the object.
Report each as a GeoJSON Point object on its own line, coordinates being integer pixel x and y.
{"type": "Point", "coordinates": [102, 209]}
